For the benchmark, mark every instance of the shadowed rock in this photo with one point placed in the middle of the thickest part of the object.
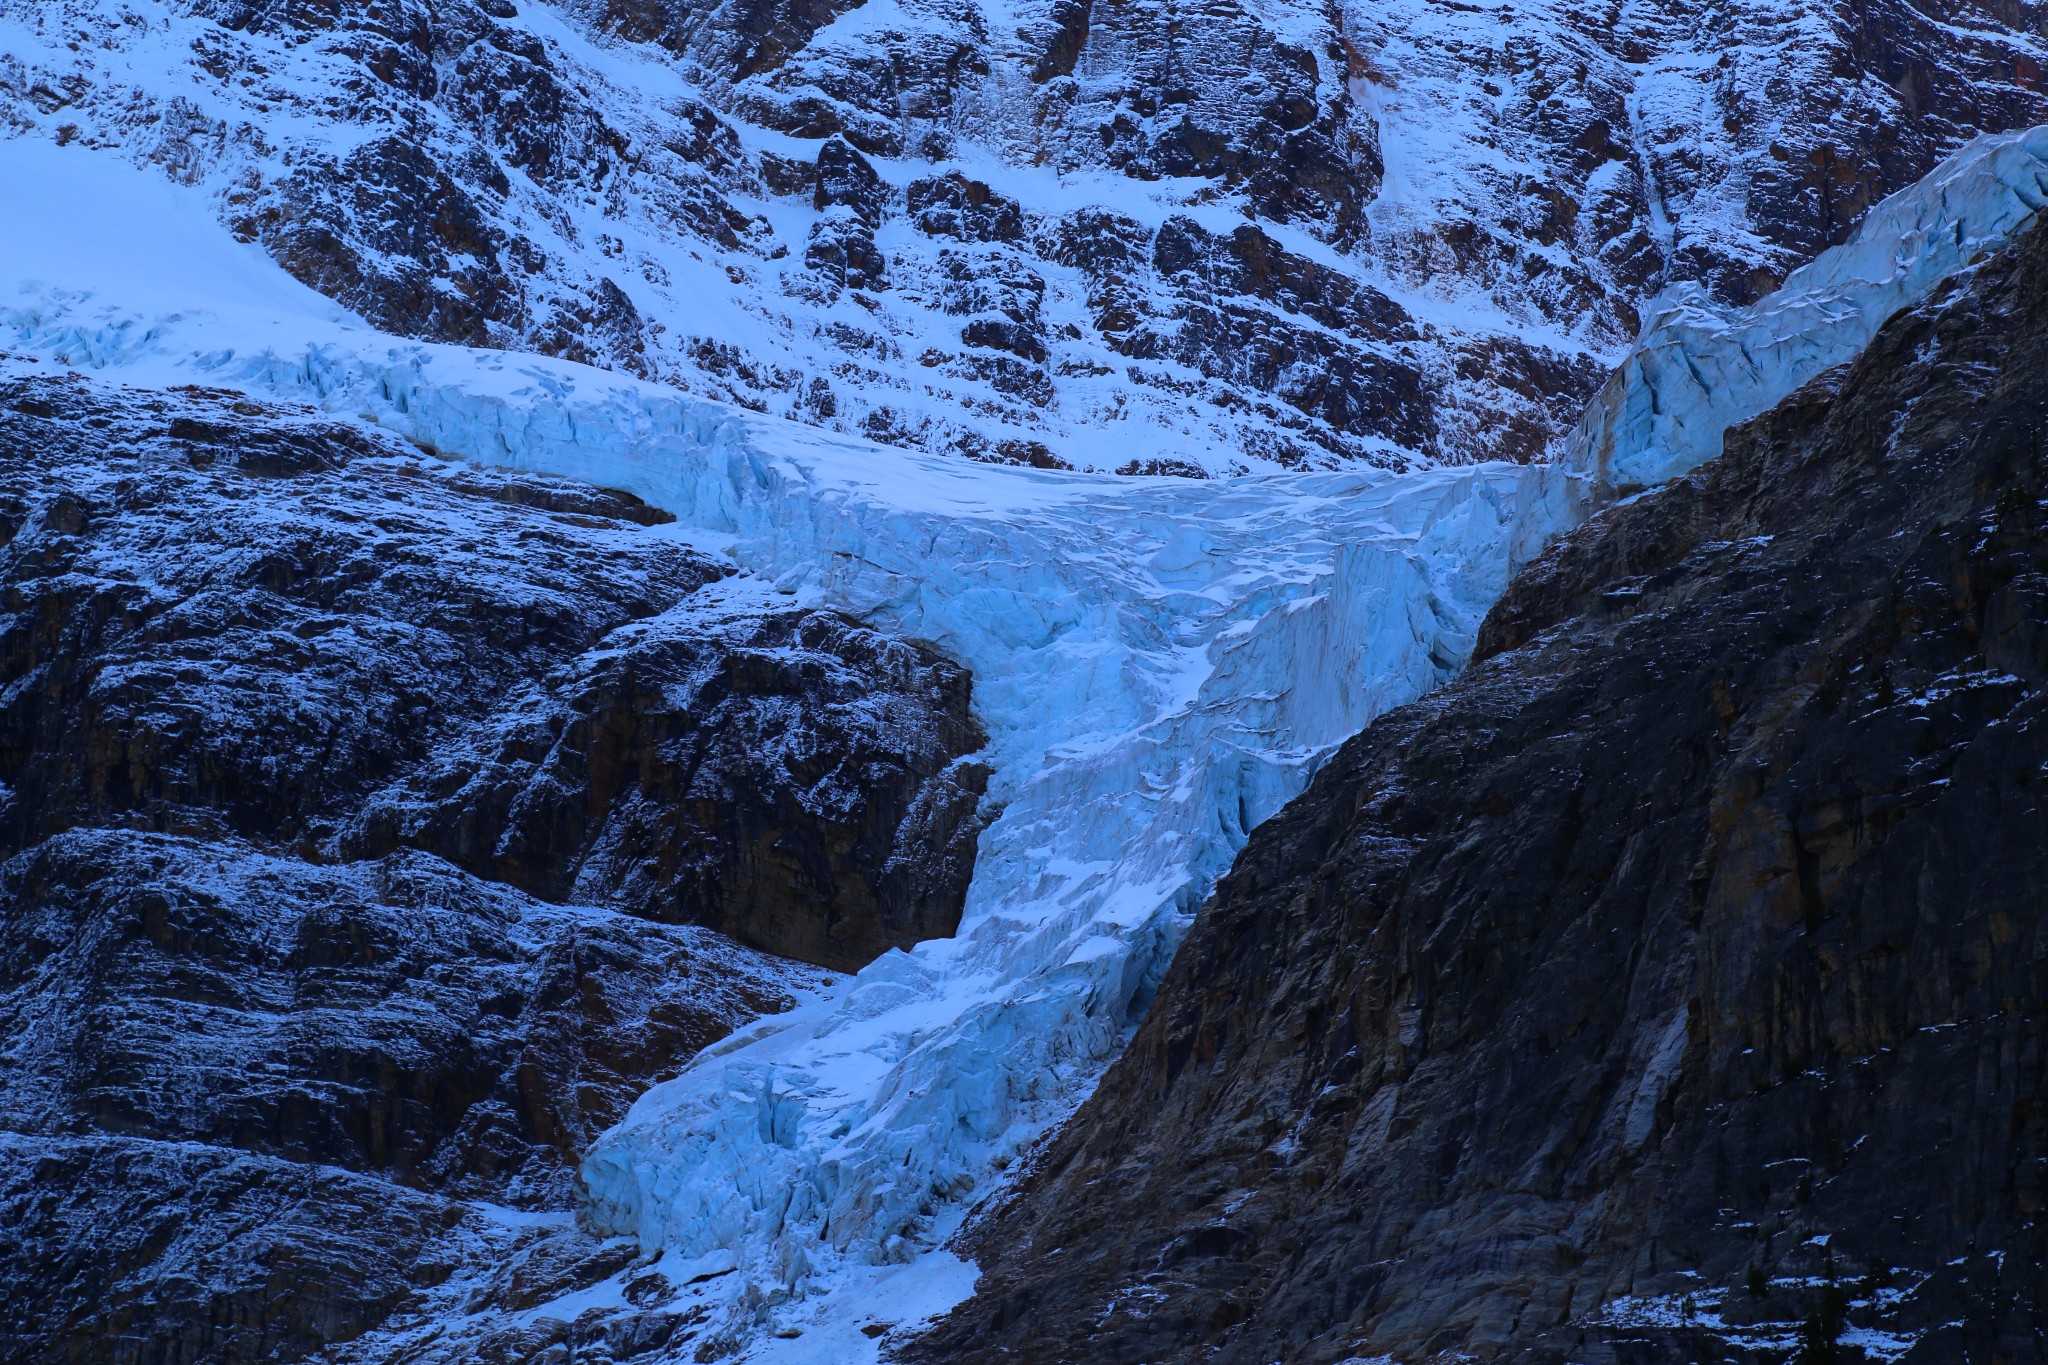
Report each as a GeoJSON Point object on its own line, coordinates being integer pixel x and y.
{"type": "Point", "coordinates": [368, 825]}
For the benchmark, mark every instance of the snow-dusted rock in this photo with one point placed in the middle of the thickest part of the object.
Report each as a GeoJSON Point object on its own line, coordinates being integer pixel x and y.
{"type": "Point", "coordinates": [257, 668]}
{"type": "Point", "coordinates": [1286, 234]}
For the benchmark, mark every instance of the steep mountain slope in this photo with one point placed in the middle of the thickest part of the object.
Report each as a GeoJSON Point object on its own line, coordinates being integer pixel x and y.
{"type": "Point", "coordinates": [361, 820]}
{"type": "Point", "coordinates": [1670, 986]}
{"type": "Point", "coordinates": [1118, 236]}
{"type": "Point", "coordinates": [1134, 237]}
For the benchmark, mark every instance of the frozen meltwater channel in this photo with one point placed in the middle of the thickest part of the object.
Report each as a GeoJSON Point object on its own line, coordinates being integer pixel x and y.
{"type": "Point", "coordinates": [1158, 663]}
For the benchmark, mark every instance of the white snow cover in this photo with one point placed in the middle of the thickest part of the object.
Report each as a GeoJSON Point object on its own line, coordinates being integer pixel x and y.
{"type": "Point", "coordinates": [1159, 663]}
{"type": "Point", "coordinates": [1701, 367]}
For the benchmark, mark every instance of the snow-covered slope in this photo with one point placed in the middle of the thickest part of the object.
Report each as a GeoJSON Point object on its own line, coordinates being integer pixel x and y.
{"type": "Point", "coordinates": [1043, 232]}
{"type": "Point", "coordinates": [1158, 662]}
{"type": "Point", "coordinates": [1701, 366]}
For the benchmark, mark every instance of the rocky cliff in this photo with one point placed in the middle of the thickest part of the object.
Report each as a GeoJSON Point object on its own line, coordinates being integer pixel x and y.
{"type": "Point", "coordinates": [1668, 987]}
{"type": "Point", "coordinates": [1134, 236]}
{"type": "Point", "coordinates": [375, 830]}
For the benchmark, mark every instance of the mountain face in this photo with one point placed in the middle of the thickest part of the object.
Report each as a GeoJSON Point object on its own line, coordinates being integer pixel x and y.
{"type": "Point", "coordinates": [400, 856]}
{"type": "Point", "coordinates": [1667, 987]}
{"type": "Point", "coordinates": [375, 830]}
{"type": "Point", "coordinates": [1125, 236]}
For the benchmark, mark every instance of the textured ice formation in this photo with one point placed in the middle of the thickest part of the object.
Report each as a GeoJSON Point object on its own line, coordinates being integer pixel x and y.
{"type": "Point", "coordinates": [1159, 663]}
{"type": "Point", "coordinates": [1700, 367]}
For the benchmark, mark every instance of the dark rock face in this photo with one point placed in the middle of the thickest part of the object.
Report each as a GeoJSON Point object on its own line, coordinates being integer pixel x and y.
{"type": "Point", "coordinates": [106, 1261]}
{"type": "Point", "coordinates": [1347, 364]}
{"type": "Point", "coordinates": [373, 831]}
{"type": "Point", "coordinates": [260, 625]}
{"type": "Point", "coordinates": [785, 780]}
{"type": "Point", "coordinates": [1671, 986]}
{"type": "Point", "coordinates": [394, 236]}
{"type": "Point", "coordinates": [393, 1017]}
{"type": "Point", "coordinates": [246, 1099]}
{"type": "Point", "coordinates": [1868, 102]}
{"type": "Point", "coordinates": [1230, 99]}
{"type": "Point", "coordinates": [417, 226]}
{"type": "Point", "coordinates": [951, 205]}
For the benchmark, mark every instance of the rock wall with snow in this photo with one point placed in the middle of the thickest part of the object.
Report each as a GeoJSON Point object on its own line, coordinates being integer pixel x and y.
{"type": "Point", "coordinates": [1112, 236]}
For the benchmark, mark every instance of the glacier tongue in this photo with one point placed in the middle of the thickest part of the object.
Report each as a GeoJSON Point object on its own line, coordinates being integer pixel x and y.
{"type": "Point", "coordinates": [1158, 662]}
{"type": "Point", "coordinates": [1700, 367]}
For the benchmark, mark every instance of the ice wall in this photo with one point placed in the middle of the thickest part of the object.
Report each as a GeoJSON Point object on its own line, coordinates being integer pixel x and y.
{"type": "Point", "coordinates": [1700, 367]}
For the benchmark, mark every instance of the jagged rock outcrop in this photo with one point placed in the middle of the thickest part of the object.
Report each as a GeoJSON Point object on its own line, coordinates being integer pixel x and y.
{"type": "Point", "coordinates": [790, 780]}
{"type": "Point", "coordinates": [252, 623]}
{"type": "Point", "coordinates": [246, 1098]}
{"type": "Point", "coordinates": [373, 831]}
{"type": "Point", "coordinates": [1670, 986]}
{"type": "Point", "coordinates": [1304, 234]}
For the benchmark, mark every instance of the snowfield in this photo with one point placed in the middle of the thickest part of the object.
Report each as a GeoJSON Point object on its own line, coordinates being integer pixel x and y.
{"type": "Point", "coordinates": [1159, 663]}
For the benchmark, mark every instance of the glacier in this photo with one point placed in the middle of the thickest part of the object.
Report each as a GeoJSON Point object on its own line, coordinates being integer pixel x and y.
{"type": "Point", "coordinates": [1159, 664]}
{"type": "Point", "coordinates": [1700, 367]}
